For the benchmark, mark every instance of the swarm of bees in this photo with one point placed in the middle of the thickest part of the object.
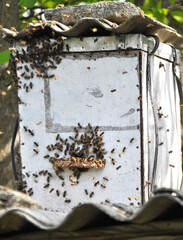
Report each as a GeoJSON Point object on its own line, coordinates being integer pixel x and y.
{"type": "Point", "coordinates": [41, 54]}
{"type": "Point", "coordinates": [82, 151]}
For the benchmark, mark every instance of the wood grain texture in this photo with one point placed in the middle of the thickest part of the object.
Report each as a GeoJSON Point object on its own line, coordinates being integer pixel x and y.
{"type": "Point", "coordinates": [9, 17]}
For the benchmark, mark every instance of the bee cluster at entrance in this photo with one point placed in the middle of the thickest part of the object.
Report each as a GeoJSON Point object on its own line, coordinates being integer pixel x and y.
{"type": "Point", "coordinates": [82, 151]}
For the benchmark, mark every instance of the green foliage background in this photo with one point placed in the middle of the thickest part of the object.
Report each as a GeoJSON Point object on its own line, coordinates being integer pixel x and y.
{"type": "Point", "coordinates": [171, 15]}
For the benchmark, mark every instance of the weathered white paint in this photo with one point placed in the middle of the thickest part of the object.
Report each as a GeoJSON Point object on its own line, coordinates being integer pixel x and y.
{"type": "Point", "coordinates": [127, 41]}
{"type": "Point", "coordinates": [82, 93]}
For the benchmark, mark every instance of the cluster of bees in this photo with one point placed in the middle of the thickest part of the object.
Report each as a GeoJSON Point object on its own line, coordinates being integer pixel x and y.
{"type": "Point", "coordinates": [82, 151]}
{"type": "Point", "coordinates": [37, 57]}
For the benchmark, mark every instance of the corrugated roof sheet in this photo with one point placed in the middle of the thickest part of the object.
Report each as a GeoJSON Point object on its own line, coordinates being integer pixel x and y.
{"type": "Point", "coordinates": [111, 17]}
{"type": "Point", "coordinates": [15, 216]}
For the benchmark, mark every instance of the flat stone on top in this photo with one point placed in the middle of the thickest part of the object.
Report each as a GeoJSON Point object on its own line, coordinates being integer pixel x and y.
{"type": "Point", "coordinates": [117, 12]}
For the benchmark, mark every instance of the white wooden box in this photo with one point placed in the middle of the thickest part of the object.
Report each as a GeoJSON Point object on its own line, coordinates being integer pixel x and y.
{"type": "Point", "coordinates": [101, 81]}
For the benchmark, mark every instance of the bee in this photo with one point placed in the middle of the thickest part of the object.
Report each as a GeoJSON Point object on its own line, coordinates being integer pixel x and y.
{"type": "Point", "coordinates": [58, 193]}
{"type": "Point", "coordinates": [57, 137]}
{"type": "Point", "coordinates": [96, 183]}
{"type": "Point", "coordinates": [53, 67]}
{"type": "Point", "coordinates": [31, 132]}
{"type": "Point", "coordinates": [171, 165]}
{"type": "Point", "coordinates": [51, 76]}
{"type": "Point", "coordinates": [26, 68]}
{"type": "Point", "coordinates": [46, 156]}
{"type": "Point", "coordinates": [41, 172]}
{"type": "Point", "coordinates": [49, 148]}
{"type": "Point", "coordinates": [101, 134]}
{"type": "Point", "coordinates": [31, 85]}
{"type": "Point", "coordinates": [131, 140]}
{"type": "Point", "coordinates": [103, 186]}
{"type": "Point", "coordinates": [91, 194]}
{"type": "Point", "coordinates": [47, 185]}
{"type": "Point", "coordinates": [140, 97]}
{"type": "Point", "coordinates": [160, 115]}
{"type": "Point", "coordinates": [96, 128]}
{"type": "Point", "coordinates": [25, 128]}
{"type": "Point", "coordinates": [35, 175]}
{"type": "Point", "coordinates": [148, 182]}
{"type": "Point", "coordinates": [124, 149]}
{"type": "Point", "coordinates": [19, 68]}
{"type": "Point", "coordinates": [170, 151]}
{"type": "Point", "coordinates": [27, 89]}
{"type": "Point", "coordinates": [118, 140]}
{"type": "Point", "coordinates": [61, 177]}
{"type": "Point", "coordinates": [36, 151]}
{"type": "Point", "coordinates": [112, 150]}
{"type": "Point", "coordinates": [30, 190]}
{"type": "Point", "coordinates": [75, 130]}
{"type": "Point", "coordinates": [36, 144]}
{"type": "Point", "coordinates": [32, 66]}
{"type": "Point", "coordinates": [20, 101]}
{"type": "Point", "coordinates": [63, 184]}
{"type": "Point", "coordinates": [161, 144]}
{"type": "Point", "coordinates": [113, 90]}
{"type": "Point", "coordinates": [22, 74]}
{"type": "Point", "coordinates": [71, 138]}
{"type": "Point", "coordinates": [107, 201]}
{"type": "Point", "coordinates": [27, 174]}
{"type": "Point", "coordinates": [48, 179]}
{"type": "Point", "coordinates": [37, 73]}
{"type": "Point", "coordinates": [31, 193]}
{"type": "Point", "coordinates": [56, 155]}
{"type": "Point", "coordinates": [67, 47]}
{"type": "Point", "coordinates": [64, 193]}
{"type": "Point", "coordinates": [51, 190]}
{"type": "Point", "coordinates": [24, 186]}
{"type": "Point", "coordinates": [105, 178]}
{"type": "Point", "coordinates": [119, 154]}
{"type": "Point", "coordinates": [67, 201]}
{"type": "Point", "coordinates": [162, 65]}
{"type": "Point", "coordinates": [79, 125]}
{"type": "Point", "coordinates": [86, 191]}
{"type": "Point", "coordinates": [113, 161]}
{"type": "Point", "coordinates": [118, 167]}
{"type": "Point", "coordinates": [50, 175]}
{"type": "Point", "coordinates": [58, 61]}
{"type": "Point", "coordinates": [32, 74]}
{"type": "Point", "coordinates": [89, 125]}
